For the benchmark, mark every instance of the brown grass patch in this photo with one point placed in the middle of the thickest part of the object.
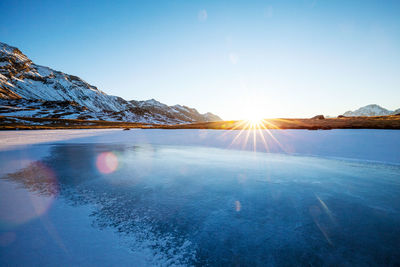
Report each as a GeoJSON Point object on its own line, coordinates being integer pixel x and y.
{"type": "Point", "coordinates": [378, 122]}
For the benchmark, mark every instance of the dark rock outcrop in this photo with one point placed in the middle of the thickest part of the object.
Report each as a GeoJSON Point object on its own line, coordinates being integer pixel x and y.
{"type": "Point", "coordinates": [318, 117]}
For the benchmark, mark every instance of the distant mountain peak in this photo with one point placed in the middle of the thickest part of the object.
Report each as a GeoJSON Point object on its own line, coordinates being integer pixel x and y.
{"type": "Point", "coordinates": [369, 110]}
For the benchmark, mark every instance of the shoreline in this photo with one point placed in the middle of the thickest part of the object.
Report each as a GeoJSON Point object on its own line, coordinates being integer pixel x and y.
{"type": "Point", "coordinates": [379, 122]}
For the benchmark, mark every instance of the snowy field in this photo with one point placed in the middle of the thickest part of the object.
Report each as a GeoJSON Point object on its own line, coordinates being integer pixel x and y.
{"type": "Point", "coordinates": [199, 197]}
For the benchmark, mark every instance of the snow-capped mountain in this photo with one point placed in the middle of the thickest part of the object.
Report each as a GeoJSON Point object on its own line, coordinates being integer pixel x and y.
{"type": "Point", "coordinates": [396, 112]}
{"type": "Point", "coordinates": [27, 89]}
{"type": "Point", "coordinates": [371, 110]}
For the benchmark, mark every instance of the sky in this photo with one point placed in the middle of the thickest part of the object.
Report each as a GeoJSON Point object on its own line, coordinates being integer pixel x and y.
{"type": "Point", "coordinates": [237, 59]}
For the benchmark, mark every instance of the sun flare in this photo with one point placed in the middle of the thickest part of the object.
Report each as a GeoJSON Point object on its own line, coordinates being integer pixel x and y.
{"type": "Point", "coordinates": [255, 122]}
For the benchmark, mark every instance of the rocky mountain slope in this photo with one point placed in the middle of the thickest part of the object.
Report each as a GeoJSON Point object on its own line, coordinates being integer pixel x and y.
{"type": "Point", "coordinates": [31, 90]}
{"type": "Point", "coordinates": [371, 110]}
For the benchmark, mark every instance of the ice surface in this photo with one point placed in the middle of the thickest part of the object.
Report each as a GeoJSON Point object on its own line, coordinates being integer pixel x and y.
{"type": "Point", "coordinates": [373, 145]}
{"type": "Point", "coordinates": [153, 197]}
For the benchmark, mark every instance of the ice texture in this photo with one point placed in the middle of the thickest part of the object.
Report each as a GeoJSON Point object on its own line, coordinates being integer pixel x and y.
{"type": "Point", "coordinates": [164, 204]}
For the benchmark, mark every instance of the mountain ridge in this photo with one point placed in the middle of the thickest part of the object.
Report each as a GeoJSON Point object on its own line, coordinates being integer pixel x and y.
{"type": "Point", "coordinates": [371, 110]}
{"type": "Point", "coordinates": [26, 86]}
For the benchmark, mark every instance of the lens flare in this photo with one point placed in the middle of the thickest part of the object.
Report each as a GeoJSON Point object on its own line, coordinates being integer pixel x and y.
{"type": "Point", "coordinates": [107, 162]}
{"type": "Point", "coordinates": [30, 203]}
{"type": "Point", "coordinates": [238, 206]}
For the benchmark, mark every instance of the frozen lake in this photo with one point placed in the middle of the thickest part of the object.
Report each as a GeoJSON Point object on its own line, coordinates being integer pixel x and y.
{"type": "Point", "coordinates": [200, 197]}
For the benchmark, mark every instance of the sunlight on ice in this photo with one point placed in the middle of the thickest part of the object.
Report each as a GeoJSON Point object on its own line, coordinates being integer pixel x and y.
{"type": "Point", "coordinates": [326, 209]}
{"type": "Point", "coordinates": [315, 213]}
{"type": "Point", "coordinates": [256, 129]}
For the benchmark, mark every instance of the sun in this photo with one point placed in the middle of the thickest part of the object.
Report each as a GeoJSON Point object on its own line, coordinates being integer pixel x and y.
{"type": "Point", "coordinates": [255, 121]}
{"type": "Point", "coordinates": [253, 115]}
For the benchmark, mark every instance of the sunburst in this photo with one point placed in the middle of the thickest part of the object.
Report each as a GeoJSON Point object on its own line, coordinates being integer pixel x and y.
{"type": "Point", "coordinates": [254, 128]}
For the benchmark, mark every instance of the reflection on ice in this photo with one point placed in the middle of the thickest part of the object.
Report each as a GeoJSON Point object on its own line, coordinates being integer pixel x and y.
{"type": "Point", "coordinates": [198, 206]}
{"type": "Point", "coordinates": [19, 206]}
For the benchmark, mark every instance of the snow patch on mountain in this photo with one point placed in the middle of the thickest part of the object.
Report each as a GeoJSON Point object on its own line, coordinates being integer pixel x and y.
{"type": "Point", "coordinates": [371, 110]}
{"type": "Point", "coordinates": [24, 83]}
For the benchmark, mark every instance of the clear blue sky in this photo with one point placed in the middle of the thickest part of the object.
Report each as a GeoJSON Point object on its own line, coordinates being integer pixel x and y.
{"type": "Point", "coordinates": [234, 58]}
